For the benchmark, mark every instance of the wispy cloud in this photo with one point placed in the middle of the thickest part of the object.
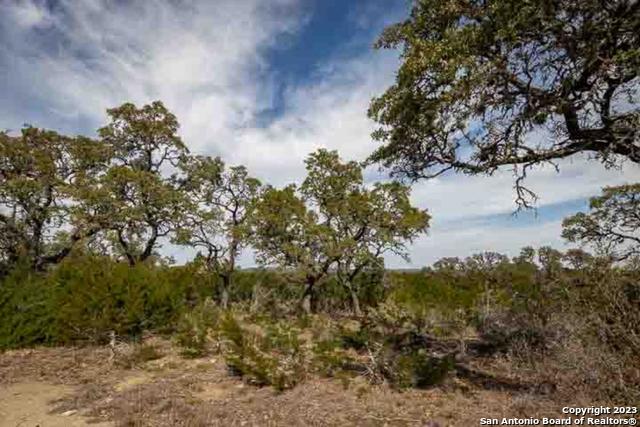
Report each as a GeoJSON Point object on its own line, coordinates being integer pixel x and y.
{"type": "Point", "coordinates": [67, 64]}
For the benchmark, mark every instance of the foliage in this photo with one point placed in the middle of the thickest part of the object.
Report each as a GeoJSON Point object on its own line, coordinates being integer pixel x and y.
{"type": "Point", "coordinates": [27, 309]}
{"type": "Point", "coordinates": [330, 359]}
{"type": "Point", "coordinates": [612, 224]}
{"type": "Point", "coordinates": [40, 173]}
{"type": "Point", "coordinates": [365, 223]}
{"type": "Point", "coordinates": [479, 78]}
{"type": "Point", "coordinates": [612, 307]}
{"type": "Point", "coordinates": [143, 204]}
{"type": "Point", "coordinates": [272, 355]}
{"type": "Point", "coordinates": [533, 308]}
{"type": "Point", "coordinates": [287, 233]}
{"type": "Point", "coordinates": [420, 292]}
{"type": "Point", "coordinates": [86, 297]}
{"type": "Point", "coordinates": [194, 327]}
{"type": "Point", "coordinates": [221, 204]}
{"type": "Point", "coordinates": [95, 213]}
{"type": "Point", "coordinates": [333, 220]}
{"type": "Point", "coordinates": [389, 352]}
{"type": "Point", "coordinates": [420, 370]}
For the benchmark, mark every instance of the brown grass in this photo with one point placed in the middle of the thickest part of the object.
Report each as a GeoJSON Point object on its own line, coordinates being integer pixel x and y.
{"type": "Point", "coordinates": [174, 391]}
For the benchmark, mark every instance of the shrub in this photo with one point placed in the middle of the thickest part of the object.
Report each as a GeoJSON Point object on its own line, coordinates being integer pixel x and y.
{"type": "Point", "coordinates": [421, 292]}
{"type": "Point", "coordinates": [139, 354]}
{"type": "Point", "coordinates": [194, 328]}
{"type": "Point", "coordinates": [420, 370]}
{"type": "Point", "coordinates": [266, 291]}
{"type": "Point", "coordinates": [356, 336]}
{"type": "Point", "coordinates": [271, 355]}
{"type": "Point", "coordinates": [330, 359]}
{"type": "Point", "coordinates": [27, 310]}
{"type": "Point", "coordinates": [84, 298]}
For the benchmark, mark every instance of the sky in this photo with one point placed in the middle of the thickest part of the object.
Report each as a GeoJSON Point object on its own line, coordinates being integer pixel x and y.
{"type": "Point", "coordinates": [263, 83]}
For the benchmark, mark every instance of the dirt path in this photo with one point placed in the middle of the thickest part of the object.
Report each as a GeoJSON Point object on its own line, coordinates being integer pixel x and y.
{"type": "Point", "coordinates": [29, 405]}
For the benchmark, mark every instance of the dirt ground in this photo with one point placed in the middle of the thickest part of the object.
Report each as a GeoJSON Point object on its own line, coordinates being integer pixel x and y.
{"type": "Point", "coordinates": [28, 404]}
{"type": "Point", "coordinates": [51, 387]}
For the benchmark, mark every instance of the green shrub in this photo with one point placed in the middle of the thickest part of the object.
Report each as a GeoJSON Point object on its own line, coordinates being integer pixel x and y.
{"type": "Point", "coordinates": [270, 355]}
{"type": "Point", "coordinates": [27, 310]}
{"type": "Point", "coordinates": [420, 292]}
{"type": "Point", "coordinates": [84, 298]}
{"type": "Point", "coordinates": [330, 359]}
{"type": "Point", "coordinates": [356, 337]}
{"type": "Point", "coordinates": [274, 291]}
{"type": "Point", "coordinates": [420, 370]}
{"type": "Point", "coordinates": [335, 298]}
{"type": "Point", "coordinates": [194, 328]}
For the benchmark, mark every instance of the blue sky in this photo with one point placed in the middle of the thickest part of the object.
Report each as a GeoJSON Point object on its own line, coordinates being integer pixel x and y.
{"type": "Point", "coordinates": [261, 83]}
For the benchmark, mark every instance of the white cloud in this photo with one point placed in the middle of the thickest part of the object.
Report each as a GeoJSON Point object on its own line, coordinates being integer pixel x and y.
{"type": "Point", "coordinates": [456, 197]}
{"type": "Point", "coordinates": [27, 14]}
{"type": "Point", "coordinates": [203, 59]}
{"type": "Point", "coordinates": [329, 113]}
{"type": "Point", "coordinates": [462, 207]}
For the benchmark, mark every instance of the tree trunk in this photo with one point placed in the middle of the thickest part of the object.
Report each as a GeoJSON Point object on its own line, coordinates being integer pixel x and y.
{"type": "Point", "coordinates": [224, 292]}
{"type": "Point", "coordinates": [307, 303]}
{"type": "Point", "coordinates": [355, 301]}
{"type": "Point", "coordinates": [131, 259]}
{"type": "Point", "coordinates": [227, 275]}
{"type": "Point", "coordinates": [125, 248]}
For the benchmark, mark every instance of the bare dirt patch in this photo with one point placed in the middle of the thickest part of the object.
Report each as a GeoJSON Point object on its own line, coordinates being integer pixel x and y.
{"type": "Point", "coordinates": [33, 404]}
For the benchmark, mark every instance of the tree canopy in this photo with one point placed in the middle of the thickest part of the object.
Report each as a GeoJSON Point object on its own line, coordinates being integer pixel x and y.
{"type": "Point", "coordinates": [612, 224]}
{"type": "Point", "coordinates": [485, 84]}
{"type": "Point", "coordinates": [333, 221]}
{"type": "Point", "coordinates": [44, 177]}
{"type": "Point", "coordinates": [366, 222]}
{"type": "Point", "coordinates": [145, 203]}
{"type": "Point", "coordinates": [221, 202]}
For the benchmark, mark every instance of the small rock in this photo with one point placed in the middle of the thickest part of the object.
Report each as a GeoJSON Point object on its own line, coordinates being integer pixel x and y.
{"type": "Point", "coordinates": [69, 413]}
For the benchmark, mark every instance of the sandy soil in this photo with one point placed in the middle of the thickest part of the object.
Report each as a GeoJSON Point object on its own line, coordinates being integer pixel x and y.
{"type": "Point", "coordinates": [29, 404]}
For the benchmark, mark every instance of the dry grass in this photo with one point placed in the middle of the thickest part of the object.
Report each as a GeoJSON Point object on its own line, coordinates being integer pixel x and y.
{"type": "Point", "coordinates": [170, 390]}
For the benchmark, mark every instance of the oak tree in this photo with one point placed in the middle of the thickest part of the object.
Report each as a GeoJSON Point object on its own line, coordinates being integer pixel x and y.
{"type": "Point", "coordinates": [221, 203]}
{"type": "Point", "coordinates": [334, 222]}
{"type": "Point", "coordinates": [288, 234]}
{"type": "Point", "coordinates": [145, 201]}
{"type": "Point", "coordinates": [612, 224]}
{"type": "Point", "coordinates": [489, 83]}
{"type": "Point", "coordinates": [366, 223]}
{"type": "Point", "coordinates": [44, 178]}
